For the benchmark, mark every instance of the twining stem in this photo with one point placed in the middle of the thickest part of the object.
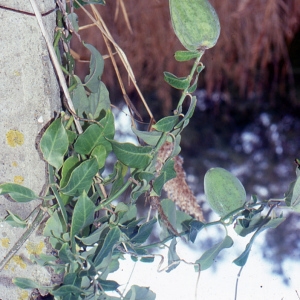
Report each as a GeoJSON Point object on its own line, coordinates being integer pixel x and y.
{"type": "Point", "coordinates": [190, 77]}
{"type": "Point", "coordinates": [38, 219]}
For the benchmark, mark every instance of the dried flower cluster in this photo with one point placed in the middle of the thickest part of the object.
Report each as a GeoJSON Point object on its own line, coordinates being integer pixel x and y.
{"type": "Point", "coordinates": [177, 189]}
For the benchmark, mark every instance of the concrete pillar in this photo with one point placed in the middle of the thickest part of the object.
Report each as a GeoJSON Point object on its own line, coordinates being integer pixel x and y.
{"type": "Point", "coordinates": [29, 95]}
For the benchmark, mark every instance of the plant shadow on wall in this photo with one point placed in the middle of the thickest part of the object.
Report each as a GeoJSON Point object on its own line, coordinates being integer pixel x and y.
{"type": "Point", "coordinates": [89, 229]}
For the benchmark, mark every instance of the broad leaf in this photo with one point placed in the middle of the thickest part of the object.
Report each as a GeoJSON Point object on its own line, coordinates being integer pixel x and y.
{"type": "Point", "coordinates": [208, 257]}
{"type": "Point", "coordinates": [15, 220]}
{"type": "Point", "coordinates": [18, 192]}
{"type": "Point", "coordinates": [152, 137]}
{"type": "Point", "coordinates": [99, 101]}
{"type": "Point", "coordinates": [186, 55]}
{"type": "Point", "coordinates": [108, 285]}
{"type": "Point", "coordinates": [92, 80]}
{"type": "Point", "coordinates": [25, 283]}
{"type": "Point", "coordinates": [176, 82]}
{"type": "Point", "coordinates": [79, 98]}
{"type": "Point", "coordinates": [195, 227]}
{"type": "Point", "coordinates": [81, 178]}
{"type": "Point", "coordinates": [242, 259]}
{"type": "Point", "coordinates": [65, 254]}
{"type": "Point", "coordinates": [139, 293]}
{"type": "Point", "coordinates": [100, 153]}
{"type": "Point", "coordinates": [65, 290]}
{"type": "Point", "coordinates": [95, 135]}
{"type": "Point", "coordinates": [166, 124]}
{"type": "Point", "coordinates": [132, 156]}
{"type": "Point", "coordinates": [144, 232]}
{"type": "Point", "coordinates": [110, 241]}
{"type": "Point", "coordinates": [173, 258]}
{"type": "Point", "coordinates": [54, 144]}
{"type": "Point", "coordinates": [83, 214]}
{"type": "Point", "coordinates": [167, 172]}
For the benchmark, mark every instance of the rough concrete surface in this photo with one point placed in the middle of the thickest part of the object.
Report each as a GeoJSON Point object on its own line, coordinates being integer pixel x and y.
{"type": "Point", "coordinates": [29, 96]}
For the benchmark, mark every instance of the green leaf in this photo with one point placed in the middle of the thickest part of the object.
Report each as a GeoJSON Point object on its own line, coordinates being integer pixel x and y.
{"type": "Point", "coordinates": [110, 241]}
{"type": "Point", "coordinates": [94, 236]}
{"type": "Point", "coordinates": [79, 98]}
{"type": "Point", "coordinates": [100, 153]}
{"type": "Point", "coordinates": [85, 2]}
{"type": "Point", "coordinates": [223, 191]}
{"type": "Point", "coordinates": [166, 124]}
{"type": "Point", "coordinates": [25, 283]}
{"type": "Point", "coordinates": [81, 178]}
{"type": "Point", "coordinates": [108, 285]}
{"type": "Point", "coordinates": [208, 257]}
{"type": "Point", "coordinates": [119, 181]}
{"type": "Point", "coordinates": [140, 293]}
{"type": "Point", "coordinates": [176, 82]}
{"type": "Point", "coordinates": [15, 220]}
{"type": "Point", "coordinates": [151, 137]}
{"type": "Point", "coordinates": [167, 172]}
{"type": "Point", "coordinates": [54, 144]}
{"type": "Point", "coordinates": [137, 157]}
{"type": "Point", "coordinates": [242, 259]}
{"type": "Point", "coordinates": [83, 214]}
{"type": "Point", "coordinates": [95, 135]}
{"type": "Point", "coordinates": [65, 290]}
{"type": "Point", "coordinates": [92, 80]}
{"type": "Point", "coordinates": [73, 18]}
{"type": "Point", "coordinates": [18, 192]}
{"type": "Point", "coordinates": [186, 55]}
{"type": "Point", "coordinates": [69, 165]}
{"type": "Point", "coordinates": [99, 101]}
{"type": "Point", "coordinates": [65, 254]}
{"type": "Point", "coordinates": [195, 227]}
{"type": "Point", "coordinates": [293, 195]}
{"type": "Point", "coordinates": [144, 232]}
{"type": "Point", "coordinates": [188, 114]}
{"type": "Point", "coordinates": [252, 225]}
{"type": "Point", "coordinates": [173, 257]}
{"type": "Point", "coordinates": [55, 225]}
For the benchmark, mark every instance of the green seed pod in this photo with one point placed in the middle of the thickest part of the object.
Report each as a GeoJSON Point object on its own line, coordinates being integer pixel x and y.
{"type": "Point", "coordinates": [224, 192]}
{"type": "Point", "coordinates": [195, 23]}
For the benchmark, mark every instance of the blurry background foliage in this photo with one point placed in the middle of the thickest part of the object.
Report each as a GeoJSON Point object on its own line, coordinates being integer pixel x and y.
{"type": "Point", "coordinates": [254, 64]}
{"type": "Point", "coordinates": [249, 96]}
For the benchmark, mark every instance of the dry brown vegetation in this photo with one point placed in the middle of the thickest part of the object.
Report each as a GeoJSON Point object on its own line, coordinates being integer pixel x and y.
{"type": "Point", "coordinates": [250, 56]}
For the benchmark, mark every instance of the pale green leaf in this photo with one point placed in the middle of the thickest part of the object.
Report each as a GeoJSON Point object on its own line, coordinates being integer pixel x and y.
{"type": "Point", "coordinates": [176, 82]}
{"type": "Point", "coordinates": [18, 192]}
{"type": "Point", "coordinates": [54, 144]}
{"type": "Point", "coordinates": [92, 80]}
{"type": "Point", "coordinates": [83, 214]}
{"type": "Point", "coordinates": [81, 178]}
{"type": "Point", "coordinates": [132, 156]}
{"type": "Point", "coordinates": [208, 257]}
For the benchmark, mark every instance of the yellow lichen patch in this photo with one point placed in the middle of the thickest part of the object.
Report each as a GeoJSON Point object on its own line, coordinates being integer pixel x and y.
{"type": "Point", "coordinates": [35, 248]}
{"type": "Point", "coordinates": [14, 138]}
{"type": "Point", "coordinates": [14, 164]}
{"type": "Point", "coordinates": [17, 73]}
{"type": "Point", "coordinates": [5, 242]}
{"type": "Point", "coordinates": [23, 295]}
{"type": "Point", "coordinates": [18, 179]}
{"type": "Point", "coordinates": [19, 261]}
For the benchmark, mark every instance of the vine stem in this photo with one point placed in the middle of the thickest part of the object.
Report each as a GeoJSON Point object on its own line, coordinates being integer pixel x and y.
{"type": "Point", "coordinates": [185, 92]}
{"type": "Point", "coordinates": [56, 64]}
{"type": "Point", "coordinates": [24, 237]}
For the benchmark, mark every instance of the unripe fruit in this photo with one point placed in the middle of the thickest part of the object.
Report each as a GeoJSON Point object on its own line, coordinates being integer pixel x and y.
{"type": "Point", "coordinates": [224, 192]}
{"type": "Point", "coordinates": [195, 22]}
